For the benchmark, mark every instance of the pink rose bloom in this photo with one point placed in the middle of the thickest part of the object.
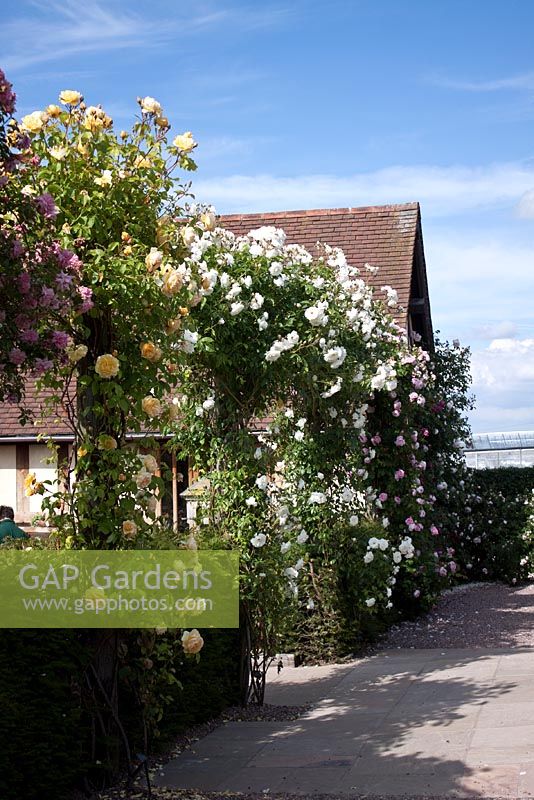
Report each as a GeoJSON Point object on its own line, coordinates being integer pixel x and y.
{"type": "Point", "coordinates": [397, 500]}
{"type": "Point", "coordinates": [417, 383]}
{"type": "Point", "coordinates": [363, 438]}
{"type": "Point", "coordinates": [417, 594]}
{"type": "Point", "coordinates": [413, 397]}
{"type": "Point", "coordinates": [399, 441]}
{"type": "Point", "coordinates": [443, 572]}
{"type": "Point", "coordinates": [399, 474]}
{"type": "Point", "coordinates": [17, 356]}
{"type": "Point", "coordinates": [434, 531]}
{"type": "Point", "coordinates": [376, 439]}
{"type": "Point", "coordinates": [383, 497]}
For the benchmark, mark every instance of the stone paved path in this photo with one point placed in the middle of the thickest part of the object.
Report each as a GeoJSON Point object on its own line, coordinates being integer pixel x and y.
{"type": "Point", "coordinates": [402, 722]}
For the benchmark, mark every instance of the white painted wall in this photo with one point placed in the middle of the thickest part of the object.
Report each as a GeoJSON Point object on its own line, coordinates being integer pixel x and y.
{"type": "Point", "coordinates": [39, 455]}
{"type": "Point", "coordinates": [8, 476]}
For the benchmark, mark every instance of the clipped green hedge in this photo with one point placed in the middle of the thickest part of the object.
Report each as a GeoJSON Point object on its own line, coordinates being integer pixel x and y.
{"type": "Point", "coordinates": [45, 730]}
{"type": "Point", "coordinates": [497, 535]}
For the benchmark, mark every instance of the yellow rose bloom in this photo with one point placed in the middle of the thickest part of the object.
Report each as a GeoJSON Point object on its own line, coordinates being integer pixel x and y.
{"type": "Point", "coordinates": [96, 119]}
{"type": "Point", "coordinates": [82, 451]}
{"type": "Point", "coordinates": [106, 442]}
{"type": "Point", "coordinates": [53, 110]}
{"type": "Point", "coordinates": [94, 594]}
{"type": "Point", "coordinates": [153, 259]}
{"type": "Point", "coordinates": [189, 235]}
{"type": "Point", "coordinates": [192, 642]}
{"type": "Point", "coordinates": [150, 351]}
{"type": "Point", "coordinates": [174, 412]}
{"type": "Point", "coordinates": [208, 220]}
{"type": "Point", "coordinates": [172, 283]}
{"type": "Point", "coordinates": [185, 142]}
{"type": "Point", "coordinates": [69, 97]}
{"type": "Point", "coordinates": [77, 353]}
{"type": "Point", "coordinates": [149, 105]}
{"type": "Point", "coordinates": [82, 149]}
{"type": "Point", "coordinates": [106, 179]}
{"type": "Point", "coordinates": [151, 406]}
{"type": "Point", "coordinates": [173, 325]}
{"type": "Point", "coordinates": [34, 122]}
{"type": "Point", "coordinates": [59, 153]}
{"type": "Point", "coordinates": [107, 366]}
{"type": "Point", "coordinates": [150, 463]}
{"type": "Point", "coordinates": [129, 528]}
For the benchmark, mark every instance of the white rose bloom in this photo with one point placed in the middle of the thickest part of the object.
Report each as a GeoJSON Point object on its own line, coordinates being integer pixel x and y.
{"type": "Point", "coordinates": [257, 301]}
{"type": "Point", "coordinates": [317, 497]}
{"type": "Point", "coordinates": [262, 482]}
{"type": "Point", "coordinates": [291, 572]}
{"type": "Point", "coordinates": [300, 423]}
{"type": "Point", "coordinates": [370, 602]}
{"type": "Point", "coordinates": [299, 436]}
{"type": "Point", "coordinates": [368, 557]}
{"type": "Point", "coordinates": [316, 315]}
{"type": "Point", "coordinates": [251, 501]}
{"type": "Point", "coordinates": [335, 356]}
{"type": "Point", "coordinates": [209, 403]}
{"type": "Point", "coordinates": [373, 543]}
{"type": "Point", "coordinates": [303, 537]}
{"type": "Point", "coordinates": [397, 557]}
{"type": "Point", "coordinates": [284, 547]}
{"type": "Point", "coordinates": [258, 540]}
{"type": "Point", "coordinates": [299, 564]}
{"type": "Point", "coordinates": [190, 338]}
{"type": "Point", "coordinates": [236, 308]}
{"type": "Point", "coordinates": [334, 389]}
{"type": "Point", "coordinates": [258, 453]}
{"type": "Point", "coordinates": [353, 520]}
{"type": "Point", "coordinates": [247, 281]}
{"type": "Point", "coordinates": [199, 411]}
{"type": "Point", "coordinates": [347, 495]}
{"type": "Point", "coordinates": [383, 544]}
{"type": "Point", "coordinates": [310, 605]}
{"type": "Point", "coordinates": [234, 291]}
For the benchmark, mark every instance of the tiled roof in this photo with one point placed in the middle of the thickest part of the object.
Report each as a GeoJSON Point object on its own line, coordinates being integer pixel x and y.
{"type": "Point", "coordinates": [9, 417]}
{"type": "Point", "coordinates": [382, 236]}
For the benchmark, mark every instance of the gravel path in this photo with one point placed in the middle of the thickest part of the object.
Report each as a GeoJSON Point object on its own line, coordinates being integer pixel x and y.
{"type": "Point", "coordinates": [485, 615]}
{"type": "Point", "coordinates": [475, 615]}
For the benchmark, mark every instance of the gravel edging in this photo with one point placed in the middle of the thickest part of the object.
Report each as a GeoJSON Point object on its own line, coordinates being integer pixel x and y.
{"type": "Point", "coordinates": [476, 615]}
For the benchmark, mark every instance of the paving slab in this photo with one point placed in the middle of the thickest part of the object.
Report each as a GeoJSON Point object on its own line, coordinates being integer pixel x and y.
{"type": "Point", "coordinates": [456, 723]}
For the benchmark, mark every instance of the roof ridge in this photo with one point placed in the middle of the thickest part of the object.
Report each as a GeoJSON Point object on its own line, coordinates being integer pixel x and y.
{"type": "Point", "coordinates": [315, 212]}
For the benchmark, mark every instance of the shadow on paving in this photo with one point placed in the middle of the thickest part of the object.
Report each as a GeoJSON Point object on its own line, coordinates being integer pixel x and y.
{"type": "Point", "coordinates": [421, 722]}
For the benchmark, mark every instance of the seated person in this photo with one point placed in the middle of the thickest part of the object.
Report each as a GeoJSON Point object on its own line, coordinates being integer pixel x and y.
{"type": "Point", "coordinates": [8, 527]}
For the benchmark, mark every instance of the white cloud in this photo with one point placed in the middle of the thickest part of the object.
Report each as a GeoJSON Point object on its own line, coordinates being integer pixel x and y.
{"type": "Point", "coordinates": [503, 382]}
{"type": "Point", "coordinates": [517, 82]}
{"type": "Point", "coordinates": [525, 206]}
{"type": "Point", "coordinates": [497, 330]}
{"type": "Point", "coordinates": [505, 365]}
{"type": "Point", "coordinates": [441, 190]}
{"type": "Point", "coordinates": [59, 29]}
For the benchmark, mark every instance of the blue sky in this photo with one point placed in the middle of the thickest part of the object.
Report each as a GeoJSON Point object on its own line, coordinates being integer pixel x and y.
{"type": "Point", "coordinates": [328, 103]}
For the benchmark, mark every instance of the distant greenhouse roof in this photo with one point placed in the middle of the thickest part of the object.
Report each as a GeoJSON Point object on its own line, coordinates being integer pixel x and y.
{"type": "Point", "coordinates": [510, 440]}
